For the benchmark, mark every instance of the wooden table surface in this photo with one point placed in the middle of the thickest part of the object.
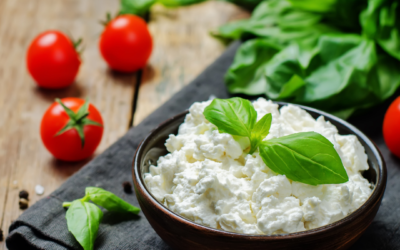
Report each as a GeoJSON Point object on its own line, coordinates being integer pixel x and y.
{"type": "Point", "coordinates": [182, 49]}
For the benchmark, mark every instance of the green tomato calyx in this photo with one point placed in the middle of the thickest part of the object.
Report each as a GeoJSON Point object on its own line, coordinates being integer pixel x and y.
{"type": "Point", "coordinates": [77, 120]}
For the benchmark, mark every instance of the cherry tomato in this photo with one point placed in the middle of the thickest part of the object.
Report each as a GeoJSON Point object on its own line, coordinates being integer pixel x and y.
{"type": "Point", "coordinates": [52, 60]}
{"type": "Point", "coordinates": [126, 43]}
{"type": "Point", "coordinates": [71, 129]}
{"type": "Point", "coordinates": [391, 127]}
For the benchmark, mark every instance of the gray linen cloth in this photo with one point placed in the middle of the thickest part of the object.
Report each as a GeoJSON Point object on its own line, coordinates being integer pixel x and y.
{"type": "Point", "coordinates": [43, 225]}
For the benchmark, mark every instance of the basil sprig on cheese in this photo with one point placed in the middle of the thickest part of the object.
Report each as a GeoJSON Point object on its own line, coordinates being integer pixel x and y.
{"type": "Point", "coordinates": [306, 157]}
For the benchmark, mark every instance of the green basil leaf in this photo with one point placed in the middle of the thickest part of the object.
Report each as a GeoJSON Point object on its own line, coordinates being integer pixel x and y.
{"type": "Point", "coordinates": [278, 22]}
{"type": "Point", "coordinates": [232, 30]}
{"type": "Point", "coordinates": [336, 71]}
{"type": "Point", "coordinates": [260, 131]}
{"type": "Point", "coordinates": [380, 21]}
{"type": "Point", "coordinates": [388, 73]}
{"type": "Point", "coordinates": [109, 201]}
{"type": "Point", "coordinates": [136, 7]}
{"type": "Point", "coordinates": [246, 74]}
{"type": "Point", "coordinates": [176, 3]}
{"type": "Point", "coordinates": [314, 5]}
{"type": "Point", "coordinates": [349, 66]}
{"type": "Point", "coordinates": [292, 87]}
{"type": "Point", "coordinates": [306, 157]}
{"type": "Point", "coordinates": [280, 70]}
{"type": "Point", "coordinates": [83, 221]}
{"type": "Point", "coordinates": [235, 116]}
{"type": "Point", "coordinates": [341, 13]}
{"type": "Point", "coordinates": [342, 73]}
{"type": "Point", "coordinates": [247, 4]}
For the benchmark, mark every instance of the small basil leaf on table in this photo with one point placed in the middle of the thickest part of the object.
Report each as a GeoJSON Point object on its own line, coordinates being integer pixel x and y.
{"type": "Point", "coordinates": [306, 157]}
{"type": "Point", "coordinates": [260, 131]}
{"type": "Point", "coordinates": [235, 116]}
{"type": "Point", "coordinates": [109, 201]}
{"type": "Point", "coordinates": [83, 219]}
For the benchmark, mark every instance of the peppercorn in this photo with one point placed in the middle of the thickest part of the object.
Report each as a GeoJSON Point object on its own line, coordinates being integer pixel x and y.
{"type": "Point", "coordinates": [24, 194]}
{"type": "Point", "coordinates": [127, 187]}
{"type": "Point", "coordinates": [1, 235]}
{"type": "Point", "coordinates": [23, 203]}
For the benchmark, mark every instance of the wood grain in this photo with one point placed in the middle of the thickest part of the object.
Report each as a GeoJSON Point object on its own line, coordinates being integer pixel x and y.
{"type": "Point", "coordinates": [24, 162]}
{"type": "Point", "coordinates": [183, 48]}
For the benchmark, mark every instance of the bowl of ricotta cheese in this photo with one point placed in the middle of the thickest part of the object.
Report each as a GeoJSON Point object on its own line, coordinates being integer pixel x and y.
{"type": "Point", "coordinates": [200, 188]}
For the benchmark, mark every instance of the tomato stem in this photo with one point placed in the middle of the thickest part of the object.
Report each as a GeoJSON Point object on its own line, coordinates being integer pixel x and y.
{"type": "Point", "coordinates": [81, 118]}
{"type": "Point", "coordinates": [109, 17]}
{"type": "Point", "coordinates": [77, 120]}
{"type": "Point", "coordinates": [77, 43]}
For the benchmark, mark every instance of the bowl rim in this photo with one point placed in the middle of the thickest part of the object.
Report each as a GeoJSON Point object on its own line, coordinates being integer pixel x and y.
{"type": "Point", "coordinates": [375, 196]}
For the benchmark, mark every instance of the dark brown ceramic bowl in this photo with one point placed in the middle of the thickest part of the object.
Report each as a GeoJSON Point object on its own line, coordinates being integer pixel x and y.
{"type": "Point", "coordinates": [181, 233]}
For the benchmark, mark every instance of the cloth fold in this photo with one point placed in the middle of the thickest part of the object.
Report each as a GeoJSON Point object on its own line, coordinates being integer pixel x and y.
{"type": "Point", "coordinates": [43, 225]}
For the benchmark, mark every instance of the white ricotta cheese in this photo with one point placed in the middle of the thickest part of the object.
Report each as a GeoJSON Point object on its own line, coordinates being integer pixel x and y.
{"type": "Point", "coordinates": [208, 179]}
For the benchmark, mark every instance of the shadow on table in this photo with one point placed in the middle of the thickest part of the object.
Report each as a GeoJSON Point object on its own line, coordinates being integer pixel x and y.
{"type": "Point", "coordinates": [74, 90]}
{"type": "Point", "coordinates": [148, 74]}
{"type": "Point", "coordinates": [118, 77]}
{"type": "Point", "coordinates": [66, 169]}
{"type": "Point", "coordinates": [112, 218]}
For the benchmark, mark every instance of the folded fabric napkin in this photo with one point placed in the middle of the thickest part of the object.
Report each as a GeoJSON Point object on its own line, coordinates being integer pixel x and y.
{"type": "Point", "coordinates": [43, 226]}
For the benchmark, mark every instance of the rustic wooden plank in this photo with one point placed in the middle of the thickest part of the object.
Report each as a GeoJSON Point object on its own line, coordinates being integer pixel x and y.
{"type": "Point", "coordinates": [24, 162]}
{"type": "Point", "coordinates": [183, 48]}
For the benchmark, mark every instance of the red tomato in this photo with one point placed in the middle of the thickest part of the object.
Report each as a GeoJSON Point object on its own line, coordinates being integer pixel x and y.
{"type": "Point", "coordinates": [69, 145]}
{"type": "Point", "coordinates": [126, 43]}
{"type": "Point", "coordinates": [391, 127]}
{"type": "Point", "coordinates": [52, 60]}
